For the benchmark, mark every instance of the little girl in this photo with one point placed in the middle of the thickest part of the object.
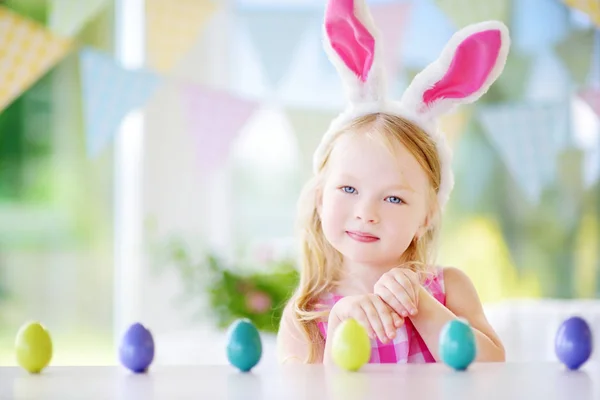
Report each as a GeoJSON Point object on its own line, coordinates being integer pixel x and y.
{"type": "Point", "coordinates": [370, 215]}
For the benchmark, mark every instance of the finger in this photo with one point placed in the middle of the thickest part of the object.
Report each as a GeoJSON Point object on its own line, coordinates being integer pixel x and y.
{"type": "Point", "coordinates": [391, 300]}
{"type": "Point", "coordinates": [363, 320]}
{"type": "Point", "coordinates": [385, 314]}
{"type": "Point", "coordinates": [398, 320]}
{"type": "Point", "coordinates": [375, 321]}
{"type": "Point", "coordinates": [406, 295]}
{"type": "Point", "coordinates": [415, 279]}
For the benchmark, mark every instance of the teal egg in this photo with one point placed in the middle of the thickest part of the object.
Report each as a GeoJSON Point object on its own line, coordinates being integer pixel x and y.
{"type": "Point", "coordinates": [457, 345]}
{"type": "Point", "coordinates": [244, 346]}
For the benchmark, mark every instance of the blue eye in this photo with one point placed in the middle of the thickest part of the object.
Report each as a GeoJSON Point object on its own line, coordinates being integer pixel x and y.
{"type": "Point", "coordinates": [395, 200]}
{"type": "Point", "coordinates": [348, 189]}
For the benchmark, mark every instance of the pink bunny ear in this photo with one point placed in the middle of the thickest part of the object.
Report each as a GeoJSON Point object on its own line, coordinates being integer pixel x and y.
{"type": "Point", "coordinates": [352, 46]}
{"type": "Point", "coordinates": [470, 63]}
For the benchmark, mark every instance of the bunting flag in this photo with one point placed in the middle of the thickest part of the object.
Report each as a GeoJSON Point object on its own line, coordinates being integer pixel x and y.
{"type": "Point", "coordinates": [427, 33]}
{"type": "Point", "coordinates": [309, 125]}
{"type": "Point", "coordinates": [27, 52]}
{"type": "Point", "coordinates": [592, 97]}
{"type": "Point", "coordinates": [391, 19]}
{"type": "Point", "coordinates": [465, 12]}
{"type": "Point", "coordinates": [453, 125]}
{"type": "Point", "coordinates": [172, 29]}
{"type": "Point", "coordinates": [110, 93]}
{"type": "Point", "coordinates": [590, 7]}
{"type": "Point", "coordinates": [276, 34]}
{"type": "Point", "coordinates": [68, 17]}
{"type": "Point", "coordinates": [537, 25]}
{"type": "Point", "coordinates": [576, 52]}
{"type": "Point", "coordinates": [473, 166]}
{"type": "Point", "coordinates": [528, 138]}
{"type": "Point", "coordinates": [214, 118]}
{"type": "Point", "coordinates": [512, 83]}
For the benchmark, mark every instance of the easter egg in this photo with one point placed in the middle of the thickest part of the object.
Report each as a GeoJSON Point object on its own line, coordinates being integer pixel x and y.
{"type": "Point", "coordinates": [351, 346]}
{"type": "Point", "coordinates": [457, 346]}
{"type": "Point", "coordinates": [573, 342]}
{"type": "Point", "coordinates": [136, 350]}
{"type": "Point", "coordinates": [244, 346]}
{"type": "Point", "coordinates": [33, 346]}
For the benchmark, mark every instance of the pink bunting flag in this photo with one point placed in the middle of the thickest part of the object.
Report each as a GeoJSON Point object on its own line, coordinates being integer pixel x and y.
{"type": "Point", "coordinates": [391, 19]}
{"type": "Point", "coordinates": [592, 97]}
{"type": "Point", "coordinates": [215, 118]}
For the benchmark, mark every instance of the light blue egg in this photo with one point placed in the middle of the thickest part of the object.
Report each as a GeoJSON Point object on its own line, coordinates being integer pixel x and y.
{"type": "Point", "coordinates": [244, 346]}
{"type": "Point", "coordinates": [457, 345]}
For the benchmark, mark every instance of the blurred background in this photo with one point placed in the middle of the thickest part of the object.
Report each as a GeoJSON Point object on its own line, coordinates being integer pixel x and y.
{"type": "Point", "coordinates": [152, 151]}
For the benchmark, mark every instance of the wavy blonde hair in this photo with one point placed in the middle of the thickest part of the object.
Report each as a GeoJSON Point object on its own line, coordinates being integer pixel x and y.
{"type": "Point", "coordinates": [320, 262]}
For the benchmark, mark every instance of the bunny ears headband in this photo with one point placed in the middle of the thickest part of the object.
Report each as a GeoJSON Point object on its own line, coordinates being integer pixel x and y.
{"type": "Point", "coordinates": [469, 64]}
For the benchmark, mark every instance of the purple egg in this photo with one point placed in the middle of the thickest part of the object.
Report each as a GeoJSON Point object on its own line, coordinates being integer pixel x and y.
{"type": "Point", "coordinates": [573, 343]}
{"type": "Point", "coordinates": [137, 348]}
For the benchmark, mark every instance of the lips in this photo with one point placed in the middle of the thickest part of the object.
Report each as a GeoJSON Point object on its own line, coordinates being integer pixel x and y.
{"type": "Point", "coordinates": [362, 237]}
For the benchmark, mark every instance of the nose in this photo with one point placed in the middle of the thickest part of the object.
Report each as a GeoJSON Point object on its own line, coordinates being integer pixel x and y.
{"type": "Point", "coordinates": [367, 212]}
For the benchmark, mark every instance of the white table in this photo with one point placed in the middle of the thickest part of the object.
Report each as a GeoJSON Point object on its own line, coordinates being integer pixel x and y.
{"type": "Point", "coordinates": [433, 381]}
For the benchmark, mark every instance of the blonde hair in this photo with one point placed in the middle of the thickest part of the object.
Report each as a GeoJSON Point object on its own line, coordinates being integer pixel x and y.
{"type": "Point", "coordinates": [320, 262]}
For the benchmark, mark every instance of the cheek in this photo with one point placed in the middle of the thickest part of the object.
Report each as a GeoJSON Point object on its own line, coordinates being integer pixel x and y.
{"type": "Point", "coordinates": [334, 210]}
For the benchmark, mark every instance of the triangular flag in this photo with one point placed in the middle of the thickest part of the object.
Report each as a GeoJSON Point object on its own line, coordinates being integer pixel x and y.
{"type": "Point", "coordinates": [110, 93]}
{"type": "Point", "coordinates": [537, 25]}
{"type": "Point", "coordinates": [391, 19]}
{"type": "Point", "coordinates": [512, 83]}
{"type": "Point", "coordinates": [172, 29]}
{"type": "Point", "coordinates": [309, 126]}
{"type": "Point", "coordinates": [276, 34]}
{"type": "Point", "coordinates": [214, 118]}
{"type": "Point", "coordinates": [576, 53]}
{"type": "Point", "coordinates": [27, 51]}
{"type": "Point", "coordinates": [589, 7]}
{"type": "Point", "coordinates": [454, 124]}
{"type": "Point", "coordinates": [465, 12]}
{"type": "Point", "coordinates": [528, 138]}
{"type": "Point", "coordinates": [427, 33]}
{"type": "Point", "coordinates": [592, 97]}
{"type": "Point", "coordinates": [68, 17]}
{"type": "Point", "coordinates": [472, 183]}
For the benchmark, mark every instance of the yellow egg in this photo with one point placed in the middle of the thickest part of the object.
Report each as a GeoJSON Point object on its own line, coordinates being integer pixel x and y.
{"type": "Point", "coordinates": [351, 347]}
{"type": "Point", "coordinates": [33, 346]}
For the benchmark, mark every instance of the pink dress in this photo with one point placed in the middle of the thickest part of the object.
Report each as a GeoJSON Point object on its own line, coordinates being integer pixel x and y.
{"type": "Point", "coordinates": [407, 346]}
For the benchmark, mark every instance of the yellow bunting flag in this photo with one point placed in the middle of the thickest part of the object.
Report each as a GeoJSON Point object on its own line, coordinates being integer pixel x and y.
{"type": "Point", "coordinates": [172, 29]}
{"type": "Point", "coordinates": [465, 12]}
{"type": "Point", "coordinates": [590, 7]}
{"type": "Point", "coordinates": [27, 51]}
{"type": "Point", "coordinates": [68, 17]}
{"type": "Point", "coordinates": [454, 124]}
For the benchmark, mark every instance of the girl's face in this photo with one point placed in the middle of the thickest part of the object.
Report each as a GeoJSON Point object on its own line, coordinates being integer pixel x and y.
{"type": "Point", "coordinates": [373, 203]}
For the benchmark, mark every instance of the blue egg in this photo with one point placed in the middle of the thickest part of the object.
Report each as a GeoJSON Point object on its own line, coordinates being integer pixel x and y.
{"type": "Point", "coordinates": [573, 343]}
{"type": "Point", "coordinates": [136, 351]}
{"type": "Point", "coordinates": [457, 344]}
{"type": "Point", "coordinates": [244, 346]}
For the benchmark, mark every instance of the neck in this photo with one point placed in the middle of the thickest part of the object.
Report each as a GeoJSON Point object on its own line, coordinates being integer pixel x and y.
{"type": "Point", "coordinates": [360, 278]}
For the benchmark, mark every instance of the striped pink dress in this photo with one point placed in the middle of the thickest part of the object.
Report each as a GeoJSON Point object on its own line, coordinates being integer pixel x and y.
{"type": "Point", "coordinates": [407, 346]}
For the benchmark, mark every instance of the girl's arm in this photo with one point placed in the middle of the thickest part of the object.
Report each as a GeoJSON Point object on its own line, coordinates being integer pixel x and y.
{"type": "Point", "coordinates": [461, 301]}
{"type": "Point", "coordinates": [292, 345]}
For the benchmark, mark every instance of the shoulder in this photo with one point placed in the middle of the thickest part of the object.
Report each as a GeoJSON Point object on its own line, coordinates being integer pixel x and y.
{"type": "Point", "coordinates": [460, 290]}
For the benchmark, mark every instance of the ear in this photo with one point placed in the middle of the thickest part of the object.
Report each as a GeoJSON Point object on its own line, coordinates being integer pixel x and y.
{"type": "Point", "coordinates": [352, 45]}
{"type": "Point", "coordinates": [471, 61]}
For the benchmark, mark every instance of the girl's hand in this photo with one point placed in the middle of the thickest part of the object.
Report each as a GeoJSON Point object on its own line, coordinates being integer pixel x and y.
{"type": "Point", "coordinates": [399, 288]}
{"type": "Point", "coordinates": [371, 312]}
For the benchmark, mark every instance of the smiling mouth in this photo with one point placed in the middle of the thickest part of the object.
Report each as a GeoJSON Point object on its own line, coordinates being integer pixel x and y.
{"type": "Point", "coordinates": [362, 237]}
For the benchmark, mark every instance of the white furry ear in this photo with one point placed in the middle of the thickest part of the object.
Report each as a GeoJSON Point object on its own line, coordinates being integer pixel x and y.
{"type": "Point", "coordinates": [471, 61]}
{"type": "Point", "coordinates": [352, 44]}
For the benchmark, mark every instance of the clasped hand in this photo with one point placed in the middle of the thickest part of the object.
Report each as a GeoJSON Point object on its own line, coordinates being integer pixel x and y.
{"type": "Point", "coordinates": [394, 298]}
